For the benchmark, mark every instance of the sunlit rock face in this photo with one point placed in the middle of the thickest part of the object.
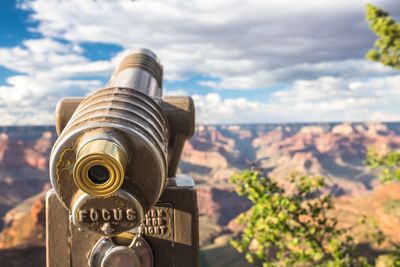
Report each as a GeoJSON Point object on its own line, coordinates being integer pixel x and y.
{"type": "Point", "coordinates": [212, 156]}
{"type": "Point", "coordinates": [220, 204]}
{"type": "Point", "coordinates": [37, 156]}
{"type": "Point", "coordinates": [24, 154]}
{"type": "Point", "coordinates": [22, 240]}
{"type": "Point", "coordinates": [24, 225]}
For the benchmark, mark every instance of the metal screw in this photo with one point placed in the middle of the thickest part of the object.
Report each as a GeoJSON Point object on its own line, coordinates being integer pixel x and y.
{"type": "Point", "coordinates": [106, 228]}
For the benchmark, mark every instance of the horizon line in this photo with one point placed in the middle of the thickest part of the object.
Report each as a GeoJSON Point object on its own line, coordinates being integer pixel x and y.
{"type": "Point", "coordinates": [238, 124]}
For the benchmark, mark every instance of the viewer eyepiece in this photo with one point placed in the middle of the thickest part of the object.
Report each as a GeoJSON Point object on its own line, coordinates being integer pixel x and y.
{"type": "Point", "coordinates": [100, 167]}
{"type": "Point", "coordinates": [98, 174]}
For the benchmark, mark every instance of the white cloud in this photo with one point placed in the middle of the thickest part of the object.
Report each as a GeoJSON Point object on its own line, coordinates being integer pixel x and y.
{"type": "Point", "coordinates": [323, 99]}
{"type": "Point", "coordinates": [211, 108]}
{"type": "Point", "coordinates": [49, 70]}
{"type": "Point", "coordinates": [313, 48]}
{"type": "Point", "coordinates": [240, 45]}
{"type": "Point", "coordinates": [352, 68]}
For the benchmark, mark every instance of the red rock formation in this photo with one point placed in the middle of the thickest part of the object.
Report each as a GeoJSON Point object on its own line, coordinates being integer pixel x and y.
{"type": "Point", "coordinates": [222, 204]}
{"type": "Point", "coordinates": [13, 153]}
{"type": "Point", "coordinates": [25, 224]}
{"type": "Point", "coordinates": [339, 155]}
{"type": "Point", "coordinates": [3, 145]}
{"type": "Point", "coordinates": [381, 205]}
{"type": "Point", "coordinates": [213, 159]}
{"type": "Point", "coordinates": [216, 152]}
{"type": "Point", "coordinates": [38, 155]}
{"type": "Point", "coordinates": [24, 152]}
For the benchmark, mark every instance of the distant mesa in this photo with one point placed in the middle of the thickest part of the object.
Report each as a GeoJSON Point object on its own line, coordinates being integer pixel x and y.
{"type": "Point", "coordinates": [315, 130]}
{"type": "Point", "coordinates": [361, 128]}
{"type": "Point", "coordinates": [336, 151]}
{"type": "Point", "coordinates": [344, 129]}
{"type": "Point", "coordinates": [378, 129]}
{"type": "Point", "coordinates": [24, 224]}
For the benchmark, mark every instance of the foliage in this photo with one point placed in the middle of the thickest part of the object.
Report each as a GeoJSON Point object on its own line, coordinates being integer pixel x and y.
{"type": "Point", "coordinates": [388, 260]}
{"type": "Point", "coordinates": [387, 51]}
{"type": "Point", "coordinates": [388, 164]}
{"type": "Point", "coordinates": [387, 47]}
{"type": "Point", "coordinates": [389, 167]}
{"type": "Point", "coordinates": [293, 229]}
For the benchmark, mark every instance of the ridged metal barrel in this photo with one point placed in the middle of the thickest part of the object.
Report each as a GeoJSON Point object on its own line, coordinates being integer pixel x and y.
{"type": "Point", "coordinates": [116, 140]}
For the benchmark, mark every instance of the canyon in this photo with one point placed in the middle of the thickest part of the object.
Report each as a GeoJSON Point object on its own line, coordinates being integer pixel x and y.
{"type": "Point", "coordinates": [336, 151]}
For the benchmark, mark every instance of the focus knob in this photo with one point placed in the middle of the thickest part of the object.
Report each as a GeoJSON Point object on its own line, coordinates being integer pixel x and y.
{"type": "Point", "coordinates": [123, 250]}
{"type": "Point", "coordinates": [121, 256]}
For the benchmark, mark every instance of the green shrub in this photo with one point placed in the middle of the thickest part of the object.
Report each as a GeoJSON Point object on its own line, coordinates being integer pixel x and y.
{"type": "Point", "coordinates": [293, 229]}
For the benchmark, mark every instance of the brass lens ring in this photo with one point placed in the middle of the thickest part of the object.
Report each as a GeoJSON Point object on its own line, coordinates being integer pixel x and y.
{"type": "Point", "coordinates": [100, 168]}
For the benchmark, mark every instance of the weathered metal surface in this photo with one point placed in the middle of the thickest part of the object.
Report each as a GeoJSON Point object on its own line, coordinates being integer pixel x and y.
{"type": "Point", "coordinates": [159, 222]}
{"type": "Point", "coordinates": [64, 110]}
{"type": "Point", "coordinates": [115, 214]}
{"type": "Point", "coordinates": [113, 173]}
{"type": "Point", "coordinates": [177, 247]}
{"type": "Point", "coordinates": [179, 112]}
{"type": "Point", "coordinates": [58, 247]}
{"type": "Point", "coordinates": [113, 121]}
{"type": "Point", "coordinates": [137, 253]}
{"type": "Point", "coordinates": [140, 70]}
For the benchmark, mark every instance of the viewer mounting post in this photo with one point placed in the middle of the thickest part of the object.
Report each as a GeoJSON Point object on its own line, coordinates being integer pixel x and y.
{"type": "Point", "coordinates": [116, 199]}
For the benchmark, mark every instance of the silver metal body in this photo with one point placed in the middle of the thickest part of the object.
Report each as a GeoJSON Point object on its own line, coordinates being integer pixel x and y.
{"type": "Point", "coordinates": [148, 82]}
{"type": "Point", "coordinates": [133, 134]}
{"type": "Point", "coordinates": [106, 254]}
{"type": "Point", "coordinates": [130, 118]}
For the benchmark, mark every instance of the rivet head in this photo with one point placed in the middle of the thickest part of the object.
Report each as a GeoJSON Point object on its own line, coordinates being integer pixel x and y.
{"type": "Point", "coordinates": [106, 228]}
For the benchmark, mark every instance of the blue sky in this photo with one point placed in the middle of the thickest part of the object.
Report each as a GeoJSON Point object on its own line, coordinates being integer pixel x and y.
{"type": "Point", "coordinates": [259, 62]}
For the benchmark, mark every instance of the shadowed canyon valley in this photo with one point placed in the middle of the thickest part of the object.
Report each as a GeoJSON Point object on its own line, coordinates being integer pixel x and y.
{"type": "Point", "coordinates": [336, 151]}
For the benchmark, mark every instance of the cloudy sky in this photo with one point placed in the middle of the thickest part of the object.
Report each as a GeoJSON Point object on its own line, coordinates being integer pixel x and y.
{"type": "Point", "coordinates": [242, 61]}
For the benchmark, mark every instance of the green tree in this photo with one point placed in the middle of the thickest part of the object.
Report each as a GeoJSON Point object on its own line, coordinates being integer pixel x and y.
{"type": "Point", "coordinates": [387, 51]}
{"type": "Point", "coordinates": [387, 47]}
{"type": "Point", "coordinates": [387, 164]}
{"type": "Point", "coordinates": [295, 229]}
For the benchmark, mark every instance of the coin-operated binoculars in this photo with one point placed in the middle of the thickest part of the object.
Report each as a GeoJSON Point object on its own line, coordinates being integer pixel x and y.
{"type": "Point", "coordinates": [116, 199]}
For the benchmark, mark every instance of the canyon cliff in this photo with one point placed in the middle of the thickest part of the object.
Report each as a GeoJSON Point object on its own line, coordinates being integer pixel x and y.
{"type": "Point", "coordinates": [336, 151]}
